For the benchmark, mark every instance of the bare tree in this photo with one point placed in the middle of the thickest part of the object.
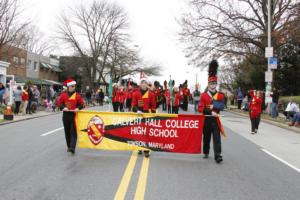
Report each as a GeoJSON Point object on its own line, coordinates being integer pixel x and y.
{"type": "Point", "coordinates": [91, 31]}
{"type": "Point", "coordinates": [233, 27]}
{"type": "Point", "coordinates": [35, 41]}
{"type": "Point", "coordinates": [11, 25]}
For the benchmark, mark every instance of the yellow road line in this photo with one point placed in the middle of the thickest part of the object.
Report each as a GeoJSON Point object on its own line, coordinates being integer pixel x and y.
{"type": "Point", "coordinates": [121, 193]}
{"type": "Point", "coordinates": [141, 186]}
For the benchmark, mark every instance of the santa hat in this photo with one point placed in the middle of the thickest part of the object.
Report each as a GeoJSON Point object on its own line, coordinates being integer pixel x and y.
{"type": "Point", "coordinates": [212, 71]}
{"type": "Point", "coordinates": [69, 82]}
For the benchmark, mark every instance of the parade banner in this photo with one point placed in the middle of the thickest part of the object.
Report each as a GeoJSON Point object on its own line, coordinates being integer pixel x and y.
{"type": "Point", "coordinates": [133, 131]}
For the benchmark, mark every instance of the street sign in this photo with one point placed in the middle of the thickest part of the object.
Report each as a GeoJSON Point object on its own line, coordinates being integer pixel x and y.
{"type": "Point", "coordinates": [268, 97]}
{"type": "Point", "coordinates": [268, 76]}
{"type": "Point", "coordinates": [269, 52]}
{"type": "Point", "coordinates": [273, 63]}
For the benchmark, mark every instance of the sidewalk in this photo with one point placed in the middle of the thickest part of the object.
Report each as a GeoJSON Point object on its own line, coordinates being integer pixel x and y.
{"type": "Point", "coordinates": [18, 118]}
{"type": "Point", "coordinates": [279, 121]}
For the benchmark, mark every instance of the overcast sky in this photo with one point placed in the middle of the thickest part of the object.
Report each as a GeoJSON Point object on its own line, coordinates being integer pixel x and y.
{"type": "Point", "coordinates": [153, 28]}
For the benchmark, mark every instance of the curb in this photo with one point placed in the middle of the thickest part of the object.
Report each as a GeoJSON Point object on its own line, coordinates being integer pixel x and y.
{"type": "Point", "coordinates": [269, 122]}
{"type": "Point", "coordinates": [29, 118]}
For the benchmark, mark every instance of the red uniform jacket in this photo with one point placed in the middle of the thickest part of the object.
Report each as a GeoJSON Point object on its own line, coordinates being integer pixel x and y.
{"type": "Point", "coordinates": [122, 95]}
{"type": "Point", "coordinates": [205, 104]}
{"type": "Point", "coordinates": [71, 101]}
{"type": "Point", "coordinates": [144, 103]}
{"type": "Point", "coordinates": [25, 96]}
{"type": "Point", "coordinates": [186, 92]}
{"type": "Point", "coordinates": [115, 95]}
{"type": "Point", "coordinates": [177, 98]}
{"type": "Point", "coordinates": [168, 97]}
{"type": "Point", "coordinates": [255, 107]}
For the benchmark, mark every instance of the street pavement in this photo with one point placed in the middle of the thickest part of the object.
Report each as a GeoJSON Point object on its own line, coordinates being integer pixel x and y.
{"type": "Point", "coordinates": [34, 164]}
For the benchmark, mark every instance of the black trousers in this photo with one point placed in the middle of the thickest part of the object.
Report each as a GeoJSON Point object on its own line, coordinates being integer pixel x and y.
{"type": "Point", "coordinates": [254, 123]}
{"type": "Point", "coordinates": [17, 108]}
{"type": "Point", "coordinates": [70, 129]}
{"type": "Point", "coordinates": [121, 107]}
{"type": "Point", "coordinates": [128, 104]}
{"type": "Point", "coordinates": [164, 104]}
{"type": "Point", "coordinates": [28, 109]}
{"type": "Point", "coordinates": [169, 109]}
{"type": "Point", "coordinates": [116, 106]}
{"type": "Point", "coordinates": [185, 103]}
{"type": "Point", "coordinates": [211, 128]}
{"type": "Point", "coordinates": [240, 104]}
{"type": "Point", "coordinates": [175, 109]}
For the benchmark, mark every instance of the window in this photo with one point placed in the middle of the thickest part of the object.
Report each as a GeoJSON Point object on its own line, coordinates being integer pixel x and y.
{"type": "Point", "coordinates": [35, 66]}
{"type": "Point", "coordinates": [16, 60]}
{"type": "Point", "coordinates": [29, 64]}
{"type": "Point", "coordinates": [22, 61]}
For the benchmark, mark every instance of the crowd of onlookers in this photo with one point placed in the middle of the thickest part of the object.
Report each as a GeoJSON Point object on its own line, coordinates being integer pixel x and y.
{"type": "Point", "coordinates": [290, 111]}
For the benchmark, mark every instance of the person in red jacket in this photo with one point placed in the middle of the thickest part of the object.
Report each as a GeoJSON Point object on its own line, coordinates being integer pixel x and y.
{"type": "Point", "coordinates": [143, 101]}
{"type": "Point", "coordinates": [116, 97]}
{"type": "Point", "coordinates": [255, 110]}
{"type": "Point", "coordinates": [210, 105]}
{"type": "Point", "coordinates": [176, 100]}
{"type": "Point", "coordinates": [25, 99]}
{"type": "Point", "coordinates": [186, 95]}
{"type": "Point", "coordinates": [122, 98]}
{"type": "Point", "coordinates": [70, 101]}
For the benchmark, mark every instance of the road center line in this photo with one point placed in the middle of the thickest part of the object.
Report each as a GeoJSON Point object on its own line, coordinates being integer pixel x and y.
{"type": "Point", "coordinates": [122, 190]}
{"type": "Point", "coordinates": [141, 186]}
{"type": "Point", "coordinates": [281, 160]}
{"type": "Point", "coordinates": [53, 131]}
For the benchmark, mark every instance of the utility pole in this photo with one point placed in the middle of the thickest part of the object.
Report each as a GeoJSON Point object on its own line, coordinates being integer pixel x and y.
{"type": "Point", "coordinates": [269, 55]}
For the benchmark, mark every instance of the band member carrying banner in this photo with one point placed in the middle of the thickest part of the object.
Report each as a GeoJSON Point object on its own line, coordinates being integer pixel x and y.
{"type": "Point", "coordinates": [143, 101]}
{"type": "Point", "coordinates": [210, 105]}
{"type": "Point", "coordinates": [70, 101]}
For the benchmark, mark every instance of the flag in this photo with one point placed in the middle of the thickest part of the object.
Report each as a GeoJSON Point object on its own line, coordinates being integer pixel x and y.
{"type": "Point", "coordinates": [142, 75]}
{"type": "Point", "coordinates": [110, 89]}
{"type": "Point", "coordinates": [170, 91]}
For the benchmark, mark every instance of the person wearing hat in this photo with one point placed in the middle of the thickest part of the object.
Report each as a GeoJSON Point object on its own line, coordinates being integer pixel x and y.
{"type": "Point", "coordinates": [176, 101]}
{"type": "Point", "coordinates": [70, 101]}
{"type": "Point", "coordinates": [210, 105]}
{"type": "Point", "coordinates": [143, 101]}
{"type": "Point", "coordinates": [186, 95]}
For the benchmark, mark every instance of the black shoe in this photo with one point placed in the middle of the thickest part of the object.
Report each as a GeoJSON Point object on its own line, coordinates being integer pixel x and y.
{"type": "Point", "coordinates": [69, 150]}
{"type": "Point", "coordinates": [140, 152]}
{"type": "Point", "coordinates": [205, 156]}
{"type": "Point", "coordinates": [72, 151]}
{"type": "Point", "coordinates": [219, 159]}
{"type": "Point", "coordinates": [147, 154]}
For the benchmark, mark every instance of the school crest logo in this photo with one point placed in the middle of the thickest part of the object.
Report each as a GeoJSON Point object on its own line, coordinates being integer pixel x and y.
{"type": "Point", "coordinates": [95, 130]}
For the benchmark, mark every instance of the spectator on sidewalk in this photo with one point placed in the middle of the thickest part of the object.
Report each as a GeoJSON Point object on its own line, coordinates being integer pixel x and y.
{"type": "Point", "coordinates": [239, 96]}
{"type": "Point", "coordinates": [18, 99]}
{"type": "Point", "coordinates": [245, 104]}
{"type": "Point", "coordinates": [255, 110]}
{"type": "Point", "coordinates": [2, 91]}
{"type": "Point", "coordinates": [25, 99]}
{"type": "Point", "coordinates": [35, 98]}
{"type": "Point", "coordinates": [274, 105]}
{"type": "Point", "coordinates": [101, 97]}
{"type": "Point", "coordinates": [30, 98]}
{"type": "Point", "coordinates": [296, 120]}
{"type": "Point", "coordinates": [291, 109]}
{"type": "Point", "coordinates": [196, 97]}
{"type": "Point", "coordinates": [88, 96]}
